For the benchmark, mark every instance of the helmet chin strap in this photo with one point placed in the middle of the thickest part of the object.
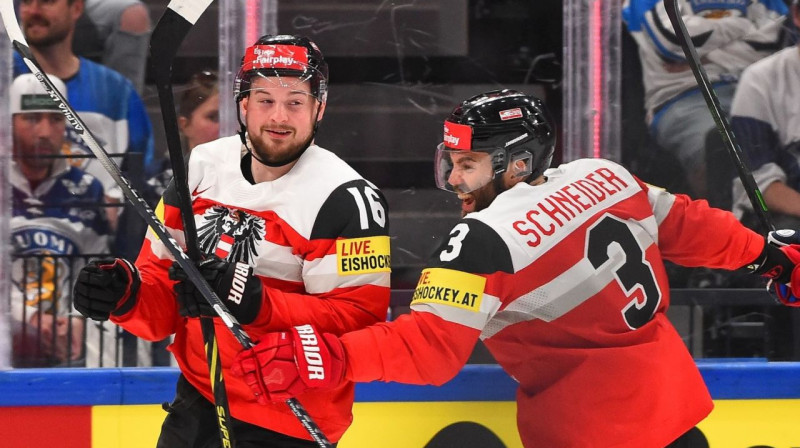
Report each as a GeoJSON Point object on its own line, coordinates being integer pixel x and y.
{"type": "Point", "coordinates": [243, 137]}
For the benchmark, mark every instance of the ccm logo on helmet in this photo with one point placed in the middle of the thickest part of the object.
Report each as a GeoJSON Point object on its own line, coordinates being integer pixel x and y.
{"type": "Point", "coordinates": [311, 352]}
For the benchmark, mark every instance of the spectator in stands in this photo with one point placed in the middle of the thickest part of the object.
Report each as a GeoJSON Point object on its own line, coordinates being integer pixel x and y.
{"type": "Point", "coordinates": [54, 224]}
{"type": "Point", "coordinates": [766, 121]}
{"type": "Point", "coordinates": [198, 109]}
{"type": "Point", "coordinates": [728, 36]}
{"type": "Point", "coordinates": [115, 33]}
{"type": "Point", "coordinates": [198, 122]}
{"type": "Point", "coordinates": [105, 100]}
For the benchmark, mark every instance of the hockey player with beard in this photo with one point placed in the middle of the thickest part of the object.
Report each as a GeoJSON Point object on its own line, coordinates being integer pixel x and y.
{"type": "Point", "coordinates": [560, 273]}
{"type": "Point", "coordinates": [292, 234]}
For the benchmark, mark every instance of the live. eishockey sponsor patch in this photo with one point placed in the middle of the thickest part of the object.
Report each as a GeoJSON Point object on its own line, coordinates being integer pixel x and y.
{"type": "Point", "coordinates": [363, 255]}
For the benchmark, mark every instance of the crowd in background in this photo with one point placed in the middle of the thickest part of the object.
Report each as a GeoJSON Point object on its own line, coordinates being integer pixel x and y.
{"type": "Point", "coordinates": [66, 208]}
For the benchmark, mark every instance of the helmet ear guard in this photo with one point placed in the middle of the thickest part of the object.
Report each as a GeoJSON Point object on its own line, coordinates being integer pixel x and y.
{"type": "Point", "coordinates": [499, 161]}
{"type": "Point", "coordinates": [522, 164]}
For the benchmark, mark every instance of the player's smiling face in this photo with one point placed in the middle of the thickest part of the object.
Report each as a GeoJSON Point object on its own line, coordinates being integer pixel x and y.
{"type": "Point", "coordinates": [471, 178]}
{"type": "Point", "coordinates": [279, 114]}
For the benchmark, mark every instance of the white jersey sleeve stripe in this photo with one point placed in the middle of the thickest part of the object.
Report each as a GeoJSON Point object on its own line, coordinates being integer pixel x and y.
{"type": "Point", "coordinates": [489, 306]}
{"type": "Point", "coordinates": [661, 201]}
{"type": "Point", "coordinates": [321, 276]}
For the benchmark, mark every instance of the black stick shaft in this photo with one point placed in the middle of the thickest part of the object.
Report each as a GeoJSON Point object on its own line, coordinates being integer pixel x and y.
{"type": "Point", "coordinates": [721, 120]}
{"type": "Point", "coordinates": [166, 38]}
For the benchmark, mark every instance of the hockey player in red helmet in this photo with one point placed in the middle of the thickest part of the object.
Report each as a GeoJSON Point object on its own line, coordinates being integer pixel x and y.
{"type": "Point", "coordinates": [273, 212]}
{"type": "Point", "coordinates": [560, 273]}
{"type": "Point", "coordinates": [286, 62]}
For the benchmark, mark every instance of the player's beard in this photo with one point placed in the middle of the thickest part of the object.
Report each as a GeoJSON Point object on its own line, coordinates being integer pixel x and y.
{"type": "Point", "coordinates": [482, 197]}
{"type": "Point", "coordinates": [277, 154]}
{"type": "Point", "coordinates": [37, 156]}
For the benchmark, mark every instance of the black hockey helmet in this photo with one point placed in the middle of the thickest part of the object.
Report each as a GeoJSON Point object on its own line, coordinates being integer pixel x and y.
{"type": "Point", "coordinates": [283, 56]}
{"type": "Point", "coordinates": [508, 125]}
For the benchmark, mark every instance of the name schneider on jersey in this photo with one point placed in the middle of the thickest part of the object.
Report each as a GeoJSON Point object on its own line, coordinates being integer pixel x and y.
{"type": "Point", "coordinates": [570, 201]}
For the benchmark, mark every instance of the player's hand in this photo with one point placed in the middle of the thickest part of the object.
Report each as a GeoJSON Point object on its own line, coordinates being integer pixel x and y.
{"type": "Point", "coordinates": [235, 284]}
{"type": "Point", "coordinates": [106, 286]}
{"type": "Point", "coordinates": [284, 365]}
{"type": "Point", "coordinates": [784, 284]}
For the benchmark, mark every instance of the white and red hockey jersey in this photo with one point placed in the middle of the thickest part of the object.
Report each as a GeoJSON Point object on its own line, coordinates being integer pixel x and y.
{"type": "Point", "coordinates": [565, 284]}
{"type": "Point", "coordinates": [318, 239]}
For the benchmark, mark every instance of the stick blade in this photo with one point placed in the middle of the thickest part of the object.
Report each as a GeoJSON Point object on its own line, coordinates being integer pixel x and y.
{"type": "Point", "coordinates": [10, 22]}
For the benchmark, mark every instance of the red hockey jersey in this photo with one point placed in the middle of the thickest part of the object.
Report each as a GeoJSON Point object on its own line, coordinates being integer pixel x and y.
{"type": "Point", "coordinates": [565, 284]}
{"type": "Point", "coordinates": [318, 239]}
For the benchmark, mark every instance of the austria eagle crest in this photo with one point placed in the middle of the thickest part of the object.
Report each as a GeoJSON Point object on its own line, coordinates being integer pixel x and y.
{"type": "Point", "coordinates": [230, 234]}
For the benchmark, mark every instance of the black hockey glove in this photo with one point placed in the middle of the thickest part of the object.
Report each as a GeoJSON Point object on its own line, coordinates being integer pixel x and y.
{"type": "Point", "coordinates": [779, 263]}
{"type": "Point", "coordinates": [106, 286]}
{"type": "Point", "coordinates": [235, 284]}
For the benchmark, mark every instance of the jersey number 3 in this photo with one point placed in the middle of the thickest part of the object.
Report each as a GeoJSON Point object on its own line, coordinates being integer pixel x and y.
{"type": "Point", "coordinates": [634, 275]}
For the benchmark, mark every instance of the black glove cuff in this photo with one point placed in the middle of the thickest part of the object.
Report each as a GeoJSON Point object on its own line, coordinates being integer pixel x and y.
{"type": "Point", "coordinates": [241, 292]}
{"type": "Point", "coordinates": [125, 273]}
{"type": "Point", "coordinates": [772, 263]}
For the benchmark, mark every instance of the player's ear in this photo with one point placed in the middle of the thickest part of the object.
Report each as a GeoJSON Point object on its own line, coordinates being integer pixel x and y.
{"type": "Point", "coordinates": [245, 101]}
{"type": "Point", "coordinates": [182, 123]}
{"type": "Point", "coordinates": [321, 111]}
{"type": "Point", "coordinates": [75, 9]}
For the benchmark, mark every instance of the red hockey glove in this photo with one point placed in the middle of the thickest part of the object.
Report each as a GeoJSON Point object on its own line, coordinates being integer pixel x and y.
{"type": "Point", "coordinates": [784, 281]}
{"type": "Point", "coordinates": [284, 365]}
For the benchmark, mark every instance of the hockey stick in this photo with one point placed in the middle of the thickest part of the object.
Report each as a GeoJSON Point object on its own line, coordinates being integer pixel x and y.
{"type": "Point", "coordinates": [723, 125]}
{"type": "Point", "coordinates": [166, 38]}
{"type": "Point", "coordinates": [17, 39]}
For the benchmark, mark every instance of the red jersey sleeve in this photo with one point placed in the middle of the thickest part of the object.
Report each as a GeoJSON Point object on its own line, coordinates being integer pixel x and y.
{"type": "Point", "coordinates": [691, 233]}
{"type": "Point", "coordinates": [417, 348]}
